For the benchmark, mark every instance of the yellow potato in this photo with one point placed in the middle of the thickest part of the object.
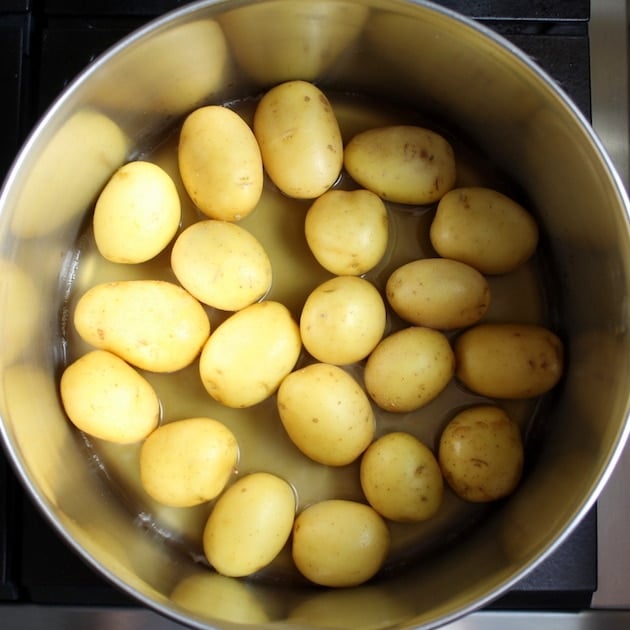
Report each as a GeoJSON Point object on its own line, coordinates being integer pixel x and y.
{"type": "Point", "coordinates": [481, 454]}
{"type": "Point", "coordinates": [326, 414]}
{"type": "Point", "coordinates": [403, 164]}
{"type": "Point", "coordinates": [342, 320]}
{"type": "Point", "coordinates": [347, 231]}
{"type": "Point", "coordinates": [299, 138]}
{"type": "Point", "coordinates": [106, 398]}
{"type": "Point", "coordinates": [249, 354]}
{"type": "Point", "coordinates": [409, 368]}
{"type": "Point", "coordinates": [152, 324]}
{"type": "Point", "coordinates": [339, 543]}
{"type": "Point", "coordinates": [484, 229]}
{"type": "Point", "coordinates": [249, 524]}
{"type": "Point", "coordinates": [401, 478]}
{"type": "Point", "coordinates": [221, 264]}
{"type": "Point", "coordinates": [188, 462]}
{"type": "Point", "coordinates": [137, 213]}
{"type": "Point", "coordinates": [220, 163]}
{"type": "Point", "coordinates": [438, 293]}
{"type": "Point", "coordinates": [509, 360]}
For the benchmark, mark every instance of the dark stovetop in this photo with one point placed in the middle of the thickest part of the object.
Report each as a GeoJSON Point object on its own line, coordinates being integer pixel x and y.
{"type": "Point", "coordinates": [43, 45]}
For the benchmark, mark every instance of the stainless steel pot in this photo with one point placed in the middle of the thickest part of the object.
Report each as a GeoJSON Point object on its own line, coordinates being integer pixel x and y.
{"type": "Point", "coordinates": [414, 53]}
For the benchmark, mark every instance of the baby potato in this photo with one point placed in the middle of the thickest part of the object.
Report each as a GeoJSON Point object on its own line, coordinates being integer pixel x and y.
{"type": "Point", "coordinates": [220, 163]}
{"type": "Point", "coordinates": [326, 414]}
{"type": "Point", "coordinates": [409, 368]}
{"type": "Point", "coordinates": [153, 324]}
{"type": "Point", "coordinates": [107, 399]}
{"type": "Point", "coordinates": [481, 454]}
{"type": "Point", "coordinates": [188, 462]}
{"type": "Point", "coordinates": [347, 231]}
{"type": "Point", "coordinates": [483, 228]}
{"type": "Point", "coordinates": [509, 360]}
{"type": "Point", "coordinates": [300, 140]}
{"type": "Point", "coordinates": [402, 163]}
{"type": "Point", "coordinates": [339, 543]}
{"type": "Point", "coordinates": [249, 524]}
{"type": "Point", "coordinates": [249, 354]}
{"type": "Point", "coordinates": [401, 478]}
{"type": "Point", "coordinates": [342, 320]}
{"type": "Point", "coordinates": [438, 293]}
{"type": "Point", "coordinates": [137, 213]}
{"type": "Point", "coordinates": [221, 264]}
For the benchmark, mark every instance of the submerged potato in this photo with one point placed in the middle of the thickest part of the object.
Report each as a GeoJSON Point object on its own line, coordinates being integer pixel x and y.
{"type": "Point", "coordinates": [339, 543]}
{"type": "Point", "coordinates": [401, 478]}
{"type": "Point", "coordinates": [347, 231]}
{"type": "Point", "coordinates": [249, 524]}
{"type": "Point", "coordinates": [485, 229]}
{"type": "Point", "coordinates": [152, 324]}
{"type": "Point", "coordinates": [438, 293]}
{"type": "Point", "coordinates": [137, 213]}
{"type": "Point", "coordinates": [409, 368]}
{"type": "Point", "coordinates": [249, 354]}
{"type": "Point", "coordinates": [342, 320]}
{"type": "Point", "coordinates": [509, 360]}
{"type": "Point", "coordinates": [220, 163]}
{"type": "Point", "coordinates": [299, 138]}
{"type": "Point", "coordinates": [107, 399]}
{"type": "Point", "coordinates": [188, 462]}
{"type": "Point", "coordinates": [481, 454]}
{"type": "Point", "coordinates": [326, 414]}
{"type": "Point", "coordinates": [221, 264]}
{"type": "Point", "coordinates": [403, 164]}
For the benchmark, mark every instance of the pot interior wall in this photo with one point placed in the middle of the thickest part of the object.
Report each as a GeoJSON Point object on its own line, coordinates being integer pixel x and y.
{"type": "Point", "coordinates": [407, 53]}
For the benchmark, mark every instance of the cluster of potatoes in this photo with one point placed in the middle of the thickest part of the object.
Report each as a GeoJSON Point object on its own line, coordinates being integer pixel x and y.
{"type": "Point", "coordinates": [328, 413]}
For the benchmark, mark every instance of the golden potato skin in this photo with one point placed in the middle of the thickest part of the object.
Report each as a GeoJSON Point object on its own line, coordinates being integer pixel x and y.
{"type": "Point", "coordinates": [339, 543]}
{"type": "Point", "coordinates": [249, 524]}
{"type": "Point", "coordinates": [106, 398]}
{"type": "Point", "coordinates": [409, 368]}
{"type": "Point", "coordinates": [188, 462]}
{"type": "Point", "coordinates": [326, 414]}
{"type": "Point", "coordinates": [483, 228]}
{"type": "Point", "coordinates": [137, 213]}
{"type": "Point", "coordinates": [401, 478]}
{"type": "Point", "coordinates": [402, 163]}
{"type": "Point", "coordinates": [347, 231]}
{"type": "Point", "coordinates": [481, 454]}
{"type": "Point", "coordinates": [220, 163]}
{"type": "Point", "coordinates": [438, 293]}
{"type": "Point", "coordinates": [300, 140]}
{"type": "Point", "coordinates": [509, 360]}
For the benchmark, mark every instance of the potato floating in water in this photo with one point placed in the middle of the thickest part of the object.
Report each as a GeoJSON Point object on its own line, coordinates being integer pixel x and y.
{"type": "Point", "coordinates": [188, 462]}
{"type": "Point", "coordinates": [107, 399]}
{"type": "Point", "coordinates": [220, 163]}
{"type": "Point", "coordinates": [299, 138]}
{"type": "Point", "coordinates": [347, 231]}
{"type": "Point", "coordinates": [326, 414]}
{"type": "Point", "coordinates": [401, 478]}
{"type": "Point", "coordinates": [438, 293]}
{"type": "Point", "coordinates": [221, 264]}
{"type": "Point", "coordinates": [481, 454]}
{"type": "Point", "coordinates": [342, 320]}
{"type": "Point", "coordinates": [137, 213]}
{"type": "Point", "coordinates": [485, 229]}
{"type": "Point", "coordinates": [408, 369]}
{"type": "Point", "coordinates": [152, 324]}
{"type": "Point", "coordinates": [249, 354]}
{"type": "Point", "coordinates": [339, 543]}
{"type": "Point", "coordinates": [403, 164]}
{"type": "Point", "coordinates": [509, 360]}
{"type": "Point", "coordinates": [249, 524]}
